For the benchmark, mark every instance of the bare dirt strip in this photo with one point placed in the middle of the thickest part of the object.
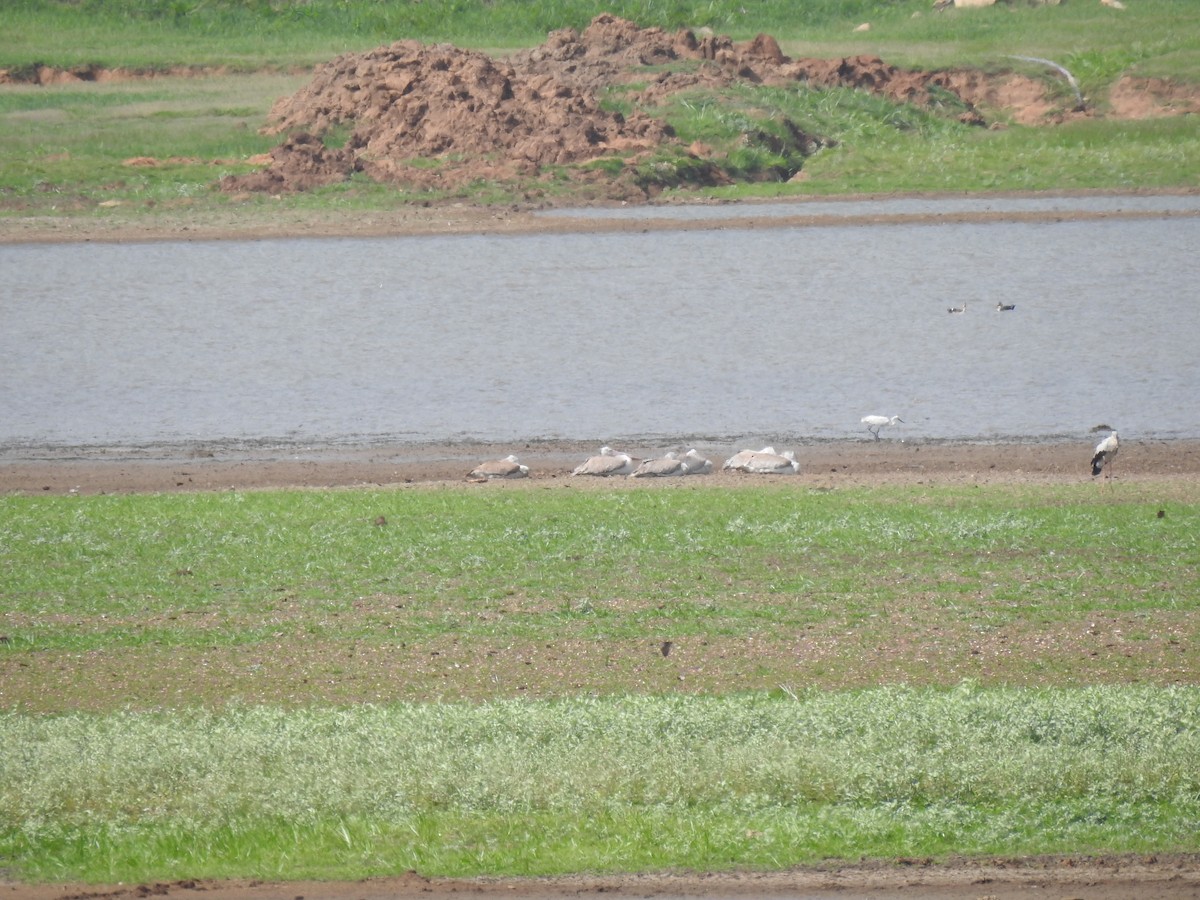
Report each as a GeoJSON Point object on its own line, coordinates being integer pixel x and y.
{"type": "Point", "coordinates": [1125, 877]}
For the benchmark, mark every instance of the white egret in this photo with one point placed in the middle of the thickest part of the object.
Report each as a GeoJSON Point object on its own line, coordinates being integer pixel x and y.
{"type": "Point", "coordinates": [1105, 453]}
{"type": "Point", "coordinates": [874, 423]}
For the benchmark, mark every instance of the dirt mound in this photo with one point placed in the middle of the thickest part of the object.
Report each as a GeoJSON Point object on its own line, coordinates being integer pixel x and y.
{"type": "Point", "coordinates": [409, 103]}
{"type": "Point", "coordinates": [439, 117]}
{"type": "Point", "coordinates": [425, 116]}
{"type": "Point", "coordinates": [1145, 98]}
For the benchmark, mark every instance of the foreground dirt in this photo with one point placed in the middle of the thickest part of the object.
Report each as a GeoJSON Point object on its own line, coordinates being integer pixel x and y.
{"type": "Point", "coordinates": [1174, 877]}
{"type": "Point", "coordinates": [823, 465]}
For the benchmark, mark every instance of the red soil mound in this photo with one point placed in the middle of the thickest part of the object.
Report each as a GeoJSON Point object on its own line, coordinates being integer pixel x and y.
{"type": "Point", "coordinates": [425, 116]}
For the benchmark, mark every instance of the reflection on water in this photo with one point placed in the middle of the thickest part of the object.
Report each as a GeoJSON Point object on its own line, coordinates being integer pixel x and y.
{"type": "Point", "coordinates": [780, 334]}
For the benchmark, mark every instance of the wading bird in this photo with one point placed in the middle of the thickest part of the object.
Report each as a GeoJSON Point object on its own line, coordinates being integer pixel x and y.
{"type": "Point", "coordinates": [609, 462]}
{"type": "Point", "coordinates": [874, 423]}
{"type": "Point", "coordinates": [1106, 452]}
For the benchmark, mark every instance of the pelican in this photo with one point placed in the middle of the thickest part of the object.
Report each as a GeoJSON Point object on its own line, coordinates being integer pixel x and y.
{"type": "Point", "coordinates": [665, 465]}
{"type": "Point", "coordinates": [1106, 452]}
{"type": "Point", "coordinates": [500, 468]}
{"type": "Point", "coordinates": [958, 309]}
{"type": "Point", "coordinates": [764, 462]}
{"type": "Point", "coordinates": [874, 423]}
{"type": "Point", "coordinates": [1005, 307]}
{"type": "Point", "coordinates": [697, 464]}
{"type": "Point", "coordinates": [739, 459]}
{"type": "Point", "coordinates": [608, 462]}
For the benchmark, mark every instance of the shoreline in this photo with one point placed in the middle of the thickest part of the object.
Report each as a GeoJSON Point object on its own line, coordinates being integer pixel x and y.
{"type": "Point", "coordinates": [459, 218]}
{"type": "Point", "coordinates": [824, 465]}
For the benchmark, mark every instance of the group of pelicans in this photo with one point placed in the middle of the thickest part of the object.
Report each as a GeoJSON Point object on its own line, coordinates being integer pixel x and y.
{"type": "Point", "coordinates": [608, 462]}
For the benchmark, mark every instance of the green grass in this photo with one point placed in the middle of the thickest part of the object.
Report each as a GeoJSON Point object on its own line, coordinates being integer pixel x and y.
{"type": "Point", "coordinates": [272, 685]}
{"type": "Point", "coordinates": [641, 783]}
{"type": "Point", "coordinates": [244, 34]}
{"type": "Point", "coordinates": [281, 684]}
{"type": "Point", "coordinates": [227, 569]}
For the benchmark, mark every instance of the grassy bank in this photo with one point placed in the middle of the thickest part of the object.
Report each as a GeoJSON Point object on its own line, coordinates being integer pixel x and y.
{"type": "Point", "coordinates": [241, 683]}
{"type": "Point", "coordinates": [291, 598]}
{"type": "Point", "coordinates": [619, 784]}
{"type": "Point", "coordinates": [1157, 37]}
{"type": "Point", "coordinates": [65, 149]}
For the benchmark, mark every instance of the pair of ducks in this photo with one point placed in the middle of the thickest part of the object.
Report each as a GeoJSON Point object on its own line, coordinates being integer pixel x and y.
{"type": "Point", "coordinates": [1000, 307]}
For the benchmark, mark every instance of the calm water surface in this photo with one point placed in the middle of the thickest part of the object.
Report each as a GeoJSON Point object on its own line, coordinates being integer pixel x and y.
{"type": "Point", "coordinates": [781, 334]}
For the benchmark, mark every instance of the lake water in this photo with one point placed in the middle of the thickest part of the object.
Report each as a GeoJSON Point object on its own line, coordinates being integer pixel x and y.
{"type": "Point", "coordinates": [775, 334]}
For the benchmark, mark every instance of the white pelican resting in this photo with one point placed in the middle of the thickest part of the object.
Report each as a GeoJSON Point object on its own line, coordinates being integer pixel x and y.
{"type": "Point", "coordinates": [662, 467]}
{"type": "Point", "coordinates": [697, 464]}
{"type": "Point", "coordinates": [1106, 452]}
{"type": "Point", "coordinates": [764, 462]}
{"type": "Point", "coordinates": [740, 458]}
{"type": "Point", "coordinates": [874, 423]}
{"type": "Point", "coordinates": [609, 462]}
{"type": "Point", "coordinates": [500, 468]}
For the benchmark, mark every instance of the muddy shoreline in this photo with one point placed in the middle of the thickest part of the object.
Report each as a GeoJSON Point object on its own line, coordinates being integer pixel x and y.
{"type": "Point", "coordinates": [461, 219]}
{"type": "Point", "coordinates": [827, 464]}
